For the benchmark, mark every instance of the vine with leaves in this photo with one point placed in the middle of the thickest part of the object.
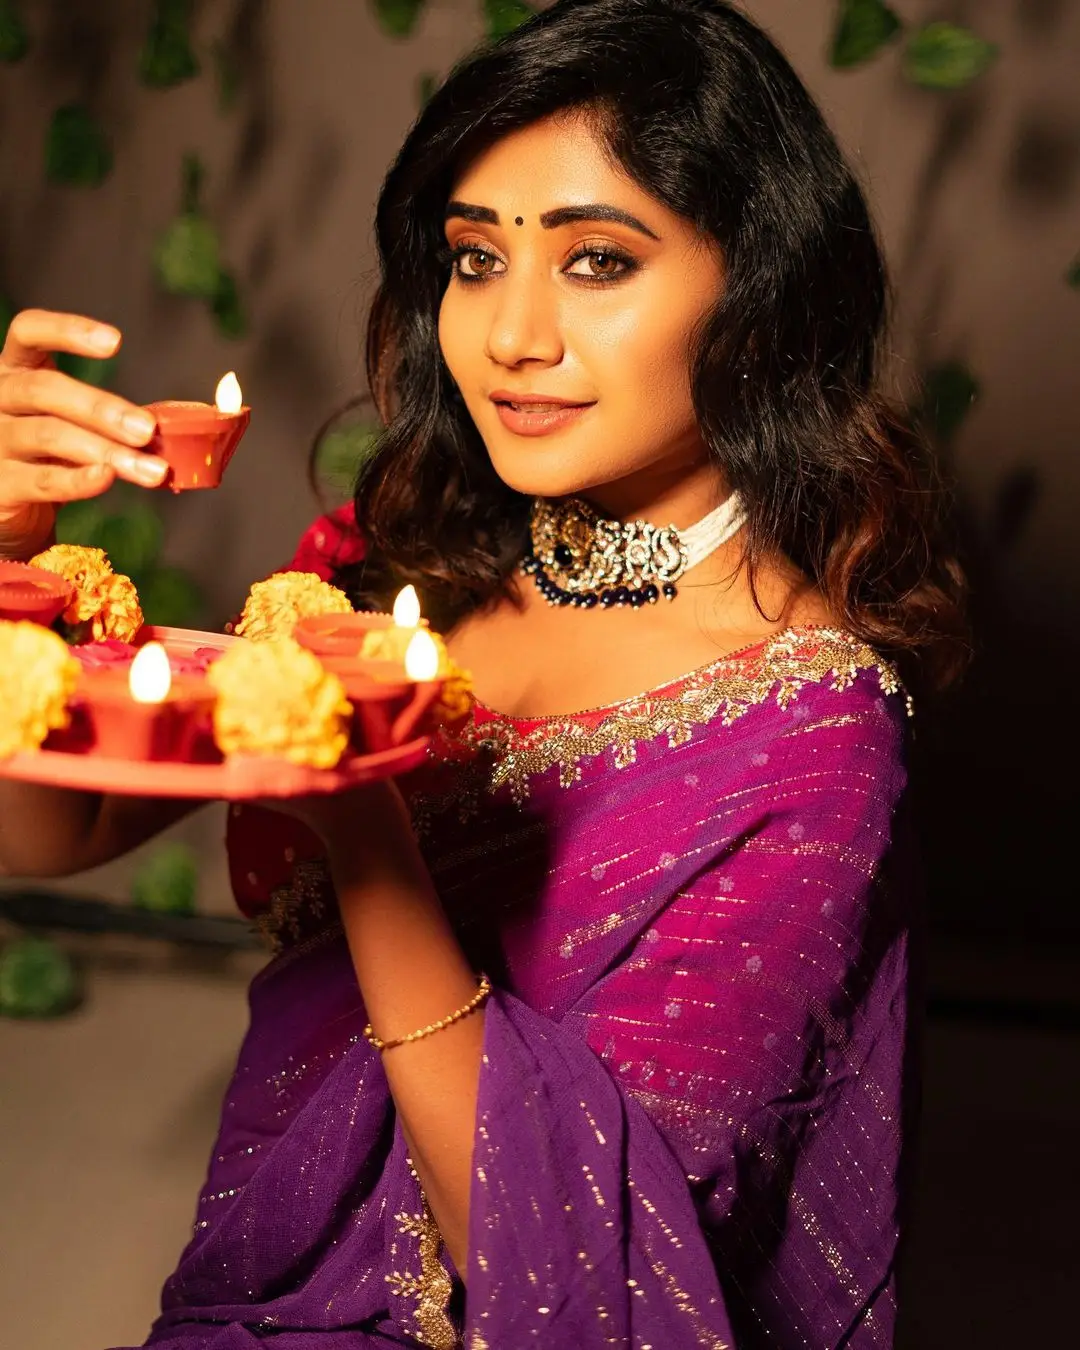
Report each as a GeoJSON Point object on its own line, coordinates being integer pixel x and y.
{"type": "Point", "coordinates": [189, 260]}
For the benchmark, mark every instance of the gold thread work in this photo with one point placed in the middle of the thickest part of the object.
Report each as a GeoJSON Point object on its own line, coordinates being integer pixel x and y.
{"type": "Point", "coordinates": [727, 689]}
{"type": "Point", "coordinates": [280, 922]}
{"type": "Point", "coordinates": [433, 1287]}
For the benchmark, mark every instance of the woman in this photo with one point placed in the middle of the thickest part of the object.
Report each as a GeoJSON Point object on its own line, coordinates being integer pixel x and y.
{"type": "Point", "coordinates": [677, 1118]}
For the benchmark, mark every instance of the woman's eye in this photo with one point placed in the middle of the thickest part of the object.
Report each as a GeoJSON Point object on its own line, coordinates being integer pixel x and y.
{"type": "Point", "coordinates": [603, 263]}
{"type": "Point", "coordinates": [472, 263]}
{"type": "Point", "coordinates": [480, 262]}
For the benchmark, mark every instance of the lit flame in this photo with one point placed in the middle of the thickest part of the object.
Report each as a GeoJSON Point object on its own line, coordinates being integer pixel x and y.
{"type": "Point", "coordinates": [422, 656]}
{"type": "Point", "coordinates": [407, 608]}
{"type": "Point", "coordinates": [229, 398]}
{"type": "Point", "coordinates": [150, 678]}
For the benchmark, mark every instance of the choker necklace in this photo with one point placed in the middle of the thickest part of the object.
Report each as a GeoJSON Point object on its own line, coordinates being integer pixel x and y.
{"type": "Point", "coordinates": [579, 558]}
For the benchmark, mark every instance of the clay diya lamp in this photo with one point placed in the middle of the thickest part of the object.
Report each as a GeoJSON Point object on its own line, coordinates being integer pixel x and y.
{"type": "Point", "coordinates": [391, 690]}
{"type": "Point", "coordinates": [144, 712]}
{"type": "Point", "coordinates": [390, 707]}
{"type": "Point", "coordinates": [344, 634]}
{"type": "Point", "coordinates": [197, 440]}
{"type": "Point", "coordinates": [33, 593]}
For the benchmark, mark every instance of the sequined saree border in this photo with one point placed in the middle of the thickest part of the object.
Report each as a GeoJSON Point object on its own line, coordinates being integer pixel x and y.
{"type": "Point", "coordinates": [727, 688]}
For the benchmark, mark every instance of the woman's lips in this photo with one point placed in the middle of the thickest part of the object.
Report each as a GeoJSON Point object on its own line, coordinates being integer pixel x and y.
{"type": "Point", "coordinates": [540, 419]}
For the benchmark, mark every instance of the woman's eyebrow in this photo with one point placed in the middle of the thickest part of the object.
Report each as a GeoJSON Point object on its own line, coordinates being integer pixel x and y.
{"type": "Point", "coordinates": [551, 220]}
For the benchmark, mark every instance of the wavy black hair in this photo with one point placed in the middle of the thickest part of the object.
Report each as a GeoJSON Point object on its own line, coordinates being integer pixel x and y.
{"type": "Point", "coordinates": [698, 107]}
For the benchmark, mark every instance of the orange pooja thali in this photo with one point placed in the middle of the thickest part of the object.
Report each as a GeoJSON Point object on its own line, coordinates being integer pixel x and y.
{"type": "Point", "coordinates": [306, 696]}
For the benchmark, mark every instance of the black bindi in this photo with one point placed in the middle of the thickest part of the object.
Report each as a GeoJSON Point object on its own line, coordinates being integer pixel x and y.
{"type": "Point", "coordinates": [518, 220]}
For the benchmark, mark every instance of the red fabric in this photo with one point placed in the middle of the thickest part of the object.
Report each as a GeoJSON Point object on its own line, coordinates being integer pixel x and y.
{"type": "Point", "coordinates": [331, 542]}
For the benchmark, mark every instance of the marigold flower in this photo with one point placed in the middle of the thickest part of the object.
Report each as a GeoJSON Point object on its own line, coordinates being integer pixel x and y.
{"type": "Point", "coordinates": [37, 678]}
{"type": "Point", "coordinates": [86, 568]}
{"type": "Point", "coordinates": [275, 606]}
{"type": "Point", "coordinates": [120, 615]}
{"type": "Point", "coordinates": [275, 698]}
{"type": "Point", "coordinates": [456, 700]}
{"type": "Point", "coordinates": [106, 598]}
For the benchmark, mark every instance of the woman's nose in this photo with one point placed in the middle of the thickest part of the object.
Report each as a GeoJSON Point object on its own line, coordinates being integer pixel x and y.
{"type": "Point", "coordinates": [525, 322]}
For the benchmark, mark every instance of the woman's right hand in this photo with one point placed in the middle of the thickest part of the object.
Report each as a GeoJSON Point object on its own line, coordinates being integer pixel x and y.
{"type": "Point", "coordinates": [61, 440]}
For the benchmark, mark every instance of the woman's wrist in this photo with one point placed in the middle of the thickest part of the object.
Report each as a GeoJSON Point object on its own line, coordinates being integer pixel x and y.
{"type": "Point", "coordinates": [26, 531]}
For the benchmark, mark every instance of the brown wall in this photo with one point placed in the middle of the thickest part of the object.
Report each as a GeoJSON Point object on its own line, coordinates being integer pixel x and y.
{"type": "Point", "coordinates": [105, 1122]}
{"type": "Point", "coordinates": [977, 196]}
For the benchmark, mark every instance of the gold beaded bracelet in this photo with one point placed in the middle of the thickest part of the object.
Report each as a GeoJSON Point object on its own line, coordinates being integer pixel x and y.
{"type": "Point", "coordinates": [477, 1001]}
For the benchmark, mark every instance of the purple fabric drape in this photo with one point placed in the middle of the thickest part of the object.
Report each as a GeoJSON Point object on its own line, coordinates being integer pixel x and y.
{"type": "Point", "coordinates": [695, 908]}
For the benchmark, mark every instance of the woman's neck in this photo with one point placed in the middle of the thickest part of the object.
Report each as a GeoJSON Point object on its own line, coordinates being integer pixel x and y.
{"type": "Point", "coordinates": [662, 495]}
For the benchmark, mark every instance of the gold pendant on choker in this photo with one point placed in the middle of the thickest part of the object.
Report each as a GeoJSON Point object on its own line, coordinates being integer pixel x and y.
{"type": "Point", "coordinates": [578, 558]}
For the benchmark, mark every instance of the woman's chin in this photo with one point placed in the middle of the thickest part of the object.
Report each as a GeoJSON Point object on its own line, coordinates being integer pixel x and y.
{"type": "Point", "coordinates": [542, 474]}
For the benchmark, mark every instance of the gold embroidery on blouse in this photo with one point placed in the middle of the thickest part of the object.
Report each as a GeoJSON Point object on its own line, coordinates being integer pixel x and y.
{"type": "Point", "coordinates": [727, 689]}
{"type": "Point", "coordinates": [432, 1287]}
{"type": "Point", "coordinates": [306, 891]}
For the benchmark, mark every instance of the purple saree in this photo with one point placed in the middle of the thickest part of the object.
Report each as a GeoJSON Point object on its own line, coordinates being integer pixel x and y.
{"type": "Point", "coordinates": [694, 906]}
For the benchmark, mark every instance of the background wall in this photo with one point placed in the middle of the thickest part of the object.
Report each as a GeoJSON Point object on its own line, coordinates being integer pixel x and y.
{"type": "Point", "coordinates": [105, 1121]}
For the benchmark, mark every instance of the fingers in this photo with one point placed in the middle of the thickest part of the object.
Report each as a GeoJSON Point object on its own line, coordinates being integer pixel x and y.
{"type": "Point", "coordinates": [36, 438]}
{"type": "Point", "coordinates": [28, 391]}
{"type": "Point", "coordinates": [35, 333]}
{"type": "Point", "coordinates": [22, 483]}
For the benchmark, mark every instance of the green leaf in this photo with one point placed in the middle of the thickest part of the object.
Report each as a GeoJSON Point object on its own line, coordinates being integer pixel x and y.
{"type": "Point", "coordinates": [397, 18]}
{"type": "Point", "coordinates": [168, 58]}
{"type": "Point", "coordinates": [863, 28]}
{"type": "Point", "coordinates": [503, 16]}
{"type": "Point", "coordinates": [1072, 276]}
{"type": "Point", "coordinates": [945, 56]}
{"type": "Point", "coordinates": [88, 369]}
{"type": "Point", "coordinates": [949, 392]}
{"type": "Point", "coordinates": [131, 536]}
{"type": "Point", "coordinates": [132, 540]}
{"type": "Point", "coordinates": [227, 75]}
{"type": "Point", "coordinates": [340, 455]}
{"type": "Point", "coordinates": [77, 152]}
{"type": "Point", "coordinates": [7, 313]}
{"type": "Point", "coordinates": [14, 39]}
{"type": "Point", "coordinates": [425, 87]}
{"type": "Point", "coordinates": [187, 258]}
{"type": "Point", "coordinates": [36, 979]}
{"type": "Point", "coordinates": [170, 598]}
{"type": "Point", "coordinates": [227, 308]}
{"type": "Point", "coordinates": [192, 173]}
{"type": "Point", "coordinates": [168, 881]}
{"type": "Point", "coordinates": [81, 523]}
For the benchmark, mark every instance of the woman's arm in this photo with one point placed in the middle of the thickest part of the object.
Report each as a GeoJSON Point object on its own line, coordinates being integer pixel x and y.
{"type": "Point", "coordinates": [411, 972]}
{"type": "Point", "coordinates": [55, 832]}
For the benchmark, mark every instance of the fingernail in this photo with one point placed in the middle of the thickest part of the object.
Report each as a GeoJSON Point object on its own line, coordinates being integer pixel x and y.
{"type": "Point", "coordinates": [138, 468]}
{"type": "Point", "coordinates": [139, 424]}
{"type": "Point", "coordinates": [104, 339]}
{"type": "Point", "coordinates": [150, 472]}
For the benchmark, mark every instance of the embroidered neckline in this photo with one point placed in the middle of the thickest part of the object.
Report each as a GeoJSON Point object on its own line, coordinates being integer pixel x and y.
{"type": "Point", "coordinates": [518, 749]}
{"type": "Point", "coordinates": [667, 686]}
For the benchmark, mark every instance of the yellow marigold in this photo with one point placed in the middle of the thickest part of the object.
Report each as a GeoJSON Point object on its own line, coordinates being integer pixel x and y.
{"type": "Point", "coordinates": [456, 700]}
{"type": "Point", "coordinates": [275, 698]}
{"type": "Point", "coordinates": [88, 570]}
{"type": "Point", "coordinates": [274, 606]}
{"type": "Point", "coordinates": [120, 615]}
{"type": "Point", "coordinates": [37, 677]}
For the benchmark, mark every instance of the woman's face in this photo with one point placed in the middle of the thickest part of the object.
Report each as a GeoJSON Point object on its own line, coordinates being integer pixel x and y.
{"type": "Point", "coordinates": [590, 310]}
